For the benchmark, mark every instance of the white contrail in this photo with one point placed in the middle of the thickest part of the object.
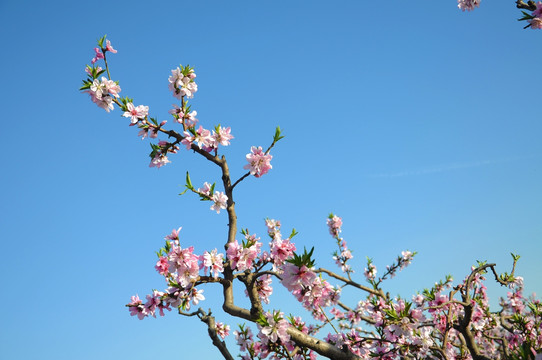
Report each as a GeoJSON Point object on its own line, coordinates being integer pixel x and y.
{"type": "Point", "coordinates": [448, 167]}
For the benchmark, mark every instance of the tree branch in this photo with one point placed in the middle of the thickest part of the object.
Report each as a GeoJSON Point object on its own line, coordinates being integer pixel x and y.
{"type": "Point", "coordinates": [530, 5]}
{"type": "Point", "coordinates": [352, 283]}
{"type": "Point", "coordinates": [211, 328]}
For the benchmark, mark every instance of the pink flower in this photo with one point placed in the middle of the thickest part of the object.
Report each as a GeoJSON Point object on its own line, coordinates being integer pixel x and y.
{"type": "Point", "coordinates": [143, 132]}
{"type": "Point", "coordinates": [162, 265]}
{"type": "Point", "coordinates": [102, 93]}
{"type": "Point", "coordinates": [103, 101]}
{"type": "Point", "coordinates": [182, 85]}
{"type": "Point", "coordinates": [137, 309]}
{"type": "Point", "coordinates": [468, 5]}
{"type": "Point", "coordinates": [154, 301]}
{"type": "Point", "coordinates": [153, 131]}
{"type": "Point", "coordinates": [259, 163]}
{"type": "Point", "coordinates": [159, 161]}
{"type": "Point", "coordinates": [206, 189]}
{"type": "Point", "coordinates": [370, 272]}
{"type": "Point", "coordinates": [214, 261]}
{"type": "Point", "coordinates": [334, 223]}
{"type": "Point", "coordinates": [108, 47]}
{"type": "Point", "coordinates": [190, 119]}
{"type": "Point", "coordinates": [223, 136]}
{"type": "Point", "coordinates": [185, 263]}
{"type": "Point", "coordinates": [187, 140]}
{"type": "Point", "coordinates": [263, 285]}
{"type": "Point", "coordinates": [538, 11]}
{"type": "Point", "coordinates": [220, 201]}
{"type": "Point", "coordinates": [536, 23]}
{"type": "Point", "coordinates": [196, 296]}
{"type": "Point", "coordinates": [242, 257]}
{"type": "Point", "coordinates": [276, 329]}
{"type": "Point", "coordinates": [295, 278]}
{"type": "Point", "coordinates": [136, 113]}
{"type": "Point", "coordinates": [222, 330]}
{"type": "Point", "coordinates": [203, 138]}
{"type": "Point", "coordinates": [281, 250]}
{"type": "Point", "coordinates": [178, 113]}
{"type": "Point", "coordinates": [105, 87]}
{"type": "Point", "coordinates": [99, 55]}
{"type": "Point", "coordinates": [244, 338]}
{"type": "Point", "coordinates": [174, 234]}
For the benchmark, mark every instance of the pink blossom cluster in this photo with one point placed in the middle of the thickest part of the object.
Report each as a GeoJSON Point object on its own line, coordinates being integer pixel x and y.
{"type": "Point", "coordinates": [213, 261]}
{"type": "Point", "coordinates": [418, 326]}
{"type": "Point", "coordinates": [181, 270]}
{"type": "Point", "coordinates": [205, 139]}
{"type": "Point", "coordinates": [159, 154]}
{"type": "Point", "coordinates": [105, 93]}
{"type": "Point", "coordinates": [262, 347]}
{"type": "Point", "coordinates": [312, 291]}
{"type": "Point", "coordinates": [274, 328]}
{"type": "Point", "coordinates": [370, 271]}
{"type": "Point", "coordinates": [432, 319]}
{"type": "Point", "coordinates": [182, 83]}
{"type": "Point", "coordinates": [244, 255]}
{"type": "Point", "coordinates": [468, 5]}
{"type": "Point", "coordinates": [334, 224]}
{"type": "Point", "coordinates": [100, 53]}
{"type": "Point", "coordinates": [280, 249]}
{"type": "Point", "coordinates": [154, 302]}
{"type": "Point", "coordinates": [222, 330]}
{"type": "Point", "coordinates": [263, 287]}
{"type": "Point", "coordinates": [259, 162]}
{"type": "Point", "coordinates": [536, 20]}
{"type": "Point", "coordinates": [102, 92]}
{"type": "Point", "coordinates": [341, 257]}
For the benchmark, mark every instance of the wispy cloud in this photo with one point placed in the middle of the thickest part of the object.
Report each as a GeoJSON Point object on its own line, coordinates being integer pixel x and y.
{"type": "Point", "coordinates": [448, 167]}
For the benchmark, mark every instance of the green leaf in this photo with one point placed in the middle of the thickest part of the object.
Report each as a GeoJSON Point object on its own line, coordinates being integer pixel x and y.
{"type": "Point", "coordinates": [189, 185]}
{"type": "Point", "coordinates": [101, 41]}
{"type": "Point", "coordinates": [304, 259]}
{"type": "Point", "coordinates": [277, 135]}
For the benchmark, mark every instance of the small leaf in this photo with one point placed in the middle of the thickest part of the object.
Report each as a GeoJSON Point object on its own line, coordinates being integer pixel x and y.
{"type": "Point", "coordinates": [189, 182]}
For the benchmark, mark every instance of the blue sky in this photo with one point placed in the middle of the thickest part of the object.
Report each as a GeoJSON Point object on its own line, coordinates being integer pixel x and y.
{"type": "Point", "coordinates": [416, 123]}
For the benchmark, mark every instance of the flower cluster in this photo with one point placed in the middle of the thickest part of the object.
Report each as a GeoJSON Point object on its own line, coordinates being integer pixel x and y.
{"type": "Point", "coordinates": [243, 256]}
{"type": "Point", "coordinates": [281, 249]}
{"type": "Point", "coordinates": [222, 330]}
{"type": "Point", "coordinates": [536, 17]}
{"type": "Point", "coordinates": [262, 346]}
{"type": "Point", "coordinates": [181, 82]}
{"type": "Point", "coordinates": [181, 270]}
{"type": "Point", "coordinates": [342, 256]}
{"type": "Point", "coordinates": [105, 93]}
{"type": "Point", "coordinates": [430, 323]}
{"type": "Point", "coordinates": [102, 92]}
{"type": "Point", "coordinates": [445, 321]}
{"type": "Point", "coordinates": [468, 5]}
{"type": "Point", "coordinates": [213, 261]}
{"type": "Point", "coordinates": [259, 162]}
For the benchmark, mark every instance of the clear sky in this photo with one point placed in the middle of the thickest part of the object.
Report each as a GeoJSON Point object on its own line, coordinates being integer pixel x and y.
{"type": "Point", "coordinates": [416, 123]}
